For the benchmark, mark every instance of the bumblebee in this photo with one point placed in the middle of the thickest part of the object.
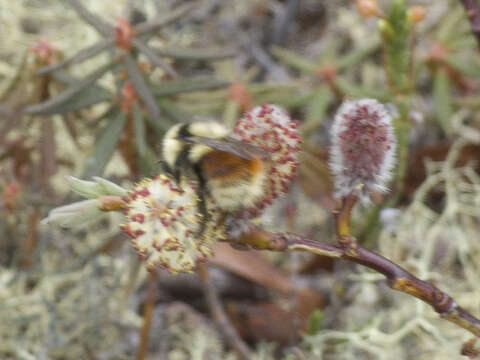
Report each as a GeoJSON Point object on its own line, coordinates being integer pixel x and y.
{"type": "Point", "coordinates": [229, 171]}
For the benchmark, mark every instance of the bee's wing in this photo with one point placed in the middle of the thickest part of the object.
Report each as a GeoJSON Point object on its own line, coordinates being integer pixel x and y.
{"type": "Point", "coordinates": [233, 146]}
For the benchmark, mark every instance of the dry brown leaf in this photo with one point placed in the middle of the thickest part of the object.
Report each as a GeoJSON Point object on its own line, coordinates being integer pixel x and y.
{"type": "Point", "coordinates": [251, 265]}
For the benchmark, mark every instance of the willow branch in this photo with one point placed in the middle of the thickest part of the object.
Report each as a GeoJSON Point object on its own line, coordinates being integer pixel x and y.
{"type": "Point", "coordinates": [397, 277]}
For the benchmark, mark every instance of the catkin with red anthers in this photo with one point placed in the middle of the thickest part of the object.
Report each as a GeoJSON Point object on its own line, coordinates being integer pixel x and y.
{"type": "Point", "coordinates": [362, 154]}
{"type": "Point", "coordinates": [163, 222]}
{"type": "Point", "coordinates": [271, 128]}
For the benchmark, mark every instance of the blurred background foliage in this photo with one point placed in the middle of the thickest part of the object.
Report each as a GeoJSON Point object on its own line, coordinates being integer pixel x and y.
{"type": "Point", "coordinates": [88, 88]}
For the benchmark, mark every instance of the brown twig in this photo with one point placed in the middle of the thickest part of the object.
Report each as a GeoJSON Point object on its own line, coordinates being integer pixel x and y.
{"type": "Point", "coordinates": [469, 350]}
{"type": "Point", "coordinates": [148, 309]}
{"type": "Point", "coordinates": [472, 8]}
{"type": "Point", "coordinates": [329, 74]}
{"type": "Point", "coordinates": [398, 278]}
{"type": "Point", "coordinates": [219, 315]}
{"type": "Point", "coordinates": [31, 239]}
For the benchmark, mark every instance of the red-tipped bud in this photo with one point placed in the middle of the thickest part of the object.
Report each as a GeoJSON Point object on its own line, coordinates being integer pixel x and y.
{"type": "Point", "coordinates": [417, 13]}
{"type": "Point", "coordinates": [128, 97]}
{"type": "Point", "coordinates": [367, 8]}
{"type": "Point", "coordinates": [45, 52]}
{"type": "Point", "coordinates": [363, 148]}
{"type": "Point", "coordinates": [124, 33]}
{"type": "Point", "coordinates": [240, 95]}
{"type": "Point", "coordinates": [10, 195]}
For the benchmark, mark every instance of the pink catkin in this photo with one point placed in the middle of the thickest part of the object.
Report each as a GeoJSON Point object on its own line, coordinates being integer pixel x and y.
{"type": "Point", "coordinates": [362, 154]}
{"type": "Point", "coordinates": [271, 128]}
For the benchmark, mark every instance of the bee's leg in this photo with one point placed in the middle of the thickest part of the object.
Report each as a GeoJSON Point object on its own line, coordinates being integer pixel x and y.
{"type": "Point", "coordinates": [165, 168]}
{"type": "Point", "coordinates": [181, 162]}
{"type": "Point", "coordinates": [202, 205]}
{"type": "Point", "coordinates": [173, 173]}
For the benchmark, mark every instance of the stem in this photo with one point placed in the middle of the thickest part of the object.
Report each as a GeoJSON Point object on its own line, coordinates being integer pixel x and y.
{"type": "Point", "coordinates": [148, 309]}
{"type": "Point", "coordinates": [219, 315]}
{"type": "Point", "coordinates": [343, 216]}
{"type": "Point", "coordinates": [398, 278]}
{"type": "Point", "coordinates": [31, 239]}
{"type": "Point", "coordinates": [402, 128]}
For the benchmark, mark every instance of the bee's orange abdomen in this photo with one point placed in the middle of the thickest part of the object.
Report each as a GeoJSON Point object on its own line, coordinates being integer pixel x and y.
{"type": "Point", "coordinates": [224, 166]}
{"type": "Point", "coordinates": [233, 182]}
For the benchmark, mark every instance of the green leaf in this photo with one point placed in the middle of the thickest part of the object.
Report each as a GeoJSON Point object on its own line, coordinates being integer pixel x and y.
{"type": "Point", "coordinates": [356, 56]}
{"type": "Point", "coordinates": [442, 99]}
{"type": "Point", "coordinates": [140, 135]}
{"type": "Point", "coordinates": [74, 215]}
{"type": "Point", "coordinates": [110, 188]}
{"type": "Point", "coordinates": [94, 123]}
{"type": "Point", "coordinates": [172, 16]}
{"type": "Point", "coordinates": [159, 126]}
{"type": "Point", "coordinates": [231, 113]}
{"type": "Point", "coordinates": [141, 86]}
{"type": "Point", "coordinates": [470, 67]}
{"type": "Point", "coordinates": [188, 85]}
{"type": "Point", "coordinates": [53, 103]}
{"type": "Point", "coordinates": [173, 111]}
{"type": "Point", "coordinates": [84, 54]}
{"type": "Point", "coordinates": [105, 145]}
{"type": "Point", "coordinates": [447, 32]}
{"type": "Point", "coordinates": [316, 110]}
{"type": "Point", "coordinates": [153, 57]}
{"type": "Point", "coordinates": [359, 91]}
{"type": "Point", "coordinates": [149, 162]}
{"type": "Point", "coordinates": [88, 97]}
{"type": "Point", "coordinates": [84, 188]}
{"type": "Point", "coordinates": [95, 21]}
{"type": "Point", "coordinates": [96, 188]}
{"type": "Point", "coordinates": [259, 88]}
{"type": "Point", "coordinates": [316, 322]}
{"type": "Point", "coordinates": [290, 58]}
{"type": "Point", "coordinates": [299, 100]}
{"type": "Point", "coordinates": [193, 54]}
